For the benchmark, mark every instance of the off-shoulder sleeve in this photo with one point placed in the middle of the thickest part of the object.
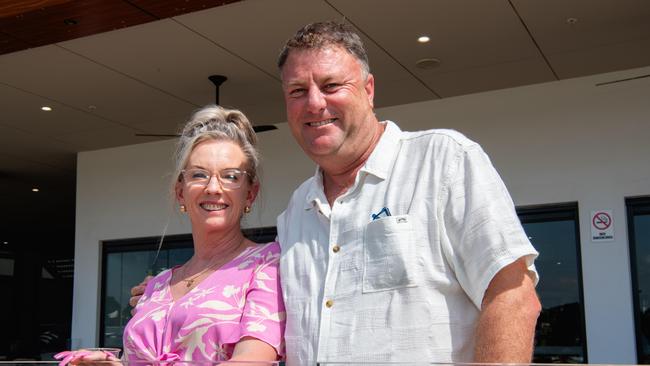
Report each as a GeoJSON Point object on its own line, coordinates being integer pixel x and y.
{"type": "Point", "coordinates": [264, 313]}
{"type": "Point", "coordinates": [153, 288]}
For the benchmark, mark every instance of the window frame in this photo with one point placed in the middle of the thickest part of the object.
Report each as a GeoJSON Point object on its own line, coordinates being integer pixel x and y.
{"type": "Point", "coordinates": [639, 205]}
{"type": "Point", "coordinates": [557, 212]}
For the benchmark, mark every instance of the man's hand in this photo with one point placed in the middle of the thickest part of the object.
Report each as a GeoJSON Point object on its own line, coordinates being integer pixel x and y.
{"type": "Point", "coordinates": [137, 292]}
{"type": "Point", "coordinates": [506, 327]}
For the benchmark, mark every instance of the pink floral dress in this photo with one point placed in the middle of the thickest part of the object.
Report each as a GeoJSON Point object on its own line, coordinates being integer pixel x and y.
{"type": "Point", "coordinates": [242, 298]}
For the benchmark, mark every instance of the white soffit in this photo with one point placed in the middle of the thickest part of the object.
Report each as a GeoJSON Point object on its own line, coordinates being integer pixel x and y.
{"type": "Point", "coordinates": [78, 82]}
{"type": "Point", "coordinates": [583, 37]}
{"type": "Point", "coordinates": [29, 153]}
{"type": "Point", "coordinates": [263, 26]}
{"type": "Point", "coordinates": [24, 113]}
{"type": "Point", "coordinates": [168, 56]}
{"type": "Point", "coordinates": [473, 41]}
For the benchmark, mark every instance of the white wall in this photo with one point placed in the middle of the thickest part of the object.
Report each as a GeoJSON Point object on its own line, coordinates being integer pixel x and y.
{"type": "Point", "coordinates": [557, 142]}
{"type": "Point", "coordinates": [565, 142]}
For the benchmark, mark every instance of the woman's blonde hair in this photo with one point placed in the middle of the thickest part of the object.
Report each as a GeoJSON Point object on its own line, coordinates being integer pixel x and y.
{"type": "Point", "coordinates": [213, 122]}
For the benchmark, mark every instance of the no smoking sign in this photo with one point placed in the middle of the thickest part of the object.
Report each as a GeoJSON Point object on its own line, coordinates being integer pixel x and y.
{"type": "Point", "coordinates": [602, 225]}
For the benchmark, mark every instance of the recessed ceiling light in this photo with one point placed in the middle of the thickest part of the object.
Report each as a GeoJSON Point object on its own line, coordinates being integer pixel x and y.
{"type": "Point", "coordinates": [46, 108]}
{"type": "Point", "coordinates": [572, 20]}
{"type": "Point", "coordinates": [428, 63]}
{"type": "Point", "coordinates": [423, 39]}
{"type": "Point", "coordinates": [35, 189]}
{"type": "Point", "coordinates": [5, 242]}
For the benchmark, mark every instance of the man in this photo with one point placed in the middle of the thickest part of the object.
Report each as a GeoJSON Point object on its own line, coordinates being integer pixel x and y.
{"type": "Point", "coordinates": [404, 246]}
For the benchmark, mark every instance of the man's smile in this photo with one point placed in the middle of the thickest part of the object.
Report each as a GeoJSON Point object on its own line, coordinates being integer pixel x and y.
{"type": "Point", "coordinates": [321, 123]}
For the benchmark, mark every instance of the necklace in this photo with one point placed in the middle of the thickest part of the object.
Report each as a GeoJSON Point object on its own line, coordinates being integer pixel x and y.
{"type": "Point", "coordinates": [190, 281]}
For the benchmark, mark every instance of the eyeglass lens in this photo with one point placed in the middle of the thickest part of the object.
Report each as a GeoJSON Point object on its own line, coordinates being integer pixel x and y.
{"type": "Point", "coordinates": [229, 178]}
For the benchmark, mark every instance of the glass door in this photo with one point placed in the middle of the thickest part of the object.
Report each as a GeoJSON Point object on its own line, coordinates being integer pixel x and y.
{"type": "Point", "coordinates": [638, 220]}
{"type": "Point", "coordinates": [560, 333]}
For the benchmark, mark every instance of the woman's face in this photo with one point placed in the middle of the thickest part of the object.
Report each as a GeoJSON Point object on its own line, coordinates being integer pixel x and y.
{"type": "Point", "coordinates": [210, 207]}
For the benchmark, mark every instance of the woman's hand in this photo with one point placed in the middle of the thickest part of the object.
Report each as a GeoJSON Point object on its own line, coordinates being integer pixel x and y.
{"type": "Point", "coordinates": [87, 357]}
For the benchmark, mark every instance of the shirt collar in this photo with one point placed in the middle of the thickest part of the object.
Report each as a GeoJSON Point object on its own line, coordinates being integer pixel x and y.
{"type": "Point", "coordinates": [380, 161]}
{"type": "Point", "coordinates": [378, 164]}
{"type": "Point", "coordinates": [316, 192]}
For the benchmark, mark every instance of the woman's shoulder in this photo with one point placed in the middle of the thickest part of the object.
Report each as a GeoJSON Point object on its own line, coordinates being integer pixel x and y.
{"type": "Point", "coordinates": [270, 250]}
{"type": "Point", "coordinates": [160, 280]}
{"type": "Point", "coordinates": [266, 252]}
{"type": "Point", "coordinates": [272, 246]}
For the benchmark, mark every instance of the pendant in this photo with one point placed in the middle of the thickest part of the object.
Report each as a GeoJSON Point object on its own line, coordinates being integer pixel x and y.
{"type": "Point", "coordinates": [189, 283]}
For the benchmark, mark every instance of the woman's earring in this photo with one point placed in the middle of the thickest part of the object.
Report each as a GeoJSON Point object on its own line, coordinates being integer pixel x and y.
{"type": "Point", "coordinates": [182, 208]}
{"type": "Point", "coordinates": [247, 209]}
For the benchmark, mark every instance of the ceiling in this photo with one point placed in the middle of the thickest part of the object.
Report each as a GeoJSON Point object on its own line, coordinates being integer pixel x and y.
{"type": "Point", "coordinates": [120, 68]}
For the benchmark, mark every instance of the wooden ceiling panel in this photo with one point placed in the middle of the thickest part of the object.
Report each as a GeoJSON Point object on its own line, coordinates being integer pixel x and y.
{"type": "Point", "coordinates": [34, 23]}
{"type": "Point", "coordinates": [11, 44]}
{"type": "Point", "coordinates": [10, 8]}
{"type": "Point", "coordinates": [70, 20]}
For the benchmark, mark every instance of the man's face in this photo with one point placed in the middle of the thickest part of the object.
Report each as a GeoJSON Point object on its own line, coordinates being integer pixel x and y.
{"type": "Point", "coordinates": [329, 102]}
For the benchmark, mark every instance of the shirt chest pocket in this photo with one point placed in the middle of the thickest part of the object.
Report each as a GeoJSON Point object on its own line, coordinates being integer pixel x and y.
{"type": "Point", "coordinates": [389, 257]}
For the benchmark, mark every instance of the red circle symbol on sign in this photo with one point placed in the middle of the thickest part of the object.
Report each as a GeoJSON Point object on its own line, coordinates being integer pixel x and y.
{"type": "Point", "coordinates": [601, 220]}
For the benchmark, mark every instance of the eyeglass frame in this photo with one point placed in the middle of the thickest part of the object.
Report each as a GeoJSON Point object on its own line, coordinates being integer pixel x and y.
{"type": "Point", "coordinates": [181, 177]}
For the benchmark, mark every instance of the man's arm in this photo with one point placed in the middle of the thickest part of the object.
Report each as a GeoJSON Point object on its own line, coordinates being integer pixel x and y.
{"type": "Point", "coordinates": [506, 326]}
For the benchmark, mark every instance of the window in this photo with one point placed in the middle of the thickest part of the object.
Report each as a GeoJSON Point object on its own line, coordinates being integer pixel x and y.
{"type": "Point", "coordinates": [126, 262]}
{"type": "Point", "coordinates": [638, 221]}
{"type": "Point", "coordinates": [560, 332]}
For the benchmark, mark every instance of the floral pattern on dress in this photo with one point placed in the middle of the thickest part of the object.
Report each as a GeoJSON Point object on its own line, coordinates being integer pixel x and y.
{"type": "Point", "coordinates": [242, 298]}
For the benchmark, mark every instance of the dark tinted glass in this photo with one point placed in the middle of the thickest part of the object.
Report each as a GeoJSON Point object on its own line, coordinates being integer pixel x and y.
{"type": "Point", "coordinates": [560, 327]}
{"type": "Point", "coordinates": [638, 210]}
{"type": "Point", "coordinates": [642, 241]}
{"type": "Point", "coordinates": [125, 269]}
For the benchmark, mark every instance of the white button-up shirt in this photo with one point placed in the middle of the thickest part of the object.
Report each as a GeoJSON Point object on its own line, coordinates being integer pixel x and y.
{"type": "Point", "coordinates": [396, 269]}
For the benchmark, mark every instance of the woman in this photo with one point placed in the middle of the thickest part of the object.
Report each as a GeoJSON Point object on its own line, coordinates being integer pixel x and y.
{"type": "Point", "coordinates": [225, 303]}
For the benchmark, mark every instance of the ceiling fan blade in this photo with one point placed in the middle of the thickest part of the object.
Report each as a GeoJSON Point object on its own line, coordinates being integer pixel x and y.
{"type": "Point", "coordinates": [217, 80]}
{"type": "Point", "coordinates": [262, 128]}
{"type": "Point", "coordinates": [257, 129]}
{"type": "Point", "coordinates": [155, 135]}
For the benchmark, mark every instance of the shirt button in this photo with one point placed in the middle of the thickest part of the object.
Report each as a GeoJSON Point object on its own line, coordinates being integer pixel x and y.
{"type": "Point", "coordinates": [336, 248]}
{"type": "Point", "coordinates": [329, 303]}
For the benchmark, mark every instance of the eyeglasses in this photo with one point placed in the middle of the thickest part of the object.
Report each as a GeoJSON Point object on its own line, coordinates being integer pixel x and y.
{"type": "Point", "coordinates": [228, 178]}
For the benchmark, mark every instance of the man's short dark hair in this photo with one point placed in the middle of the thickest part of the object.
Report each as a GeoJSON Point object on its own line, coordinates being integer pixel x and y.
{"type": "Point", "coordinates": [326, 34]}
